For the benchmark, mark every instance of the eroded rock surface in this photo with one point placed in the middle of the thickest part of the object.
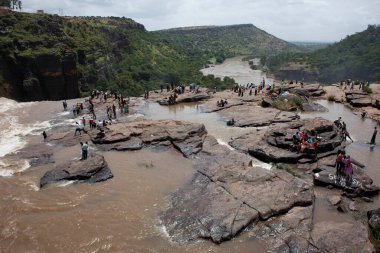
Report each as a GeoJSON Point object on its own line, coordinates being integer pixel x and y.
{"type": "Point", "coordinates": [276, 145]}
{"type": "Point", "coordinates": [227, 194]}
{"type": "Point", "coordinates": [92, 170]}
{"type": "Point", "coordinates": [349, 237]}
{"type": "Point", "coordinates": [251, 115]}
{"type": "Point", "coordinates": [186, 137]}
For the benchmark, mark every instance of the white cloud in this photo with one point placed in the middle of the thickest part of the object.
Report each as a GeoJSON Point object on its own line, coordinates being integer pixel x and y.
{"type": "Point", "coordinates": [317, 20]}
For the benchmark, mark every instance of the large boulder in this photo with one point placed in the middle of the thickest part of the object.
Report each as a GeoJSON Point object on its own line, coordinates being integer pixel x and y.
{"type": "Point", "coordinates": [361, 184]}
{"type": "Point", "coordinates": [275, 143]}
{"type": "Point", "coordinates": [227, 194]}
{"type": "Point", "coordinates": [184, 136]}
{"type": "Point", "coordinates": [249, 115]}
{"type": "Point", "coordinates": [92, 170]}
{"type": "Point", "coordinates": [348, 237]}
{"type": "Point", "coordinates": [361, 102]}
{"type": "Point", "coordinates": [374, 219]}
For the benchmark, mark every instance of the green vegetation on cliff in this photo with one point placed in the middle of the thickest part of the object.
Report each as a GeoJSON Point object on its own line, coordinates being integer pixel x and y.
{"type": "Point", "coordinates": [46, 56]}
{"type": "Point", "coordinates": [356, 57]}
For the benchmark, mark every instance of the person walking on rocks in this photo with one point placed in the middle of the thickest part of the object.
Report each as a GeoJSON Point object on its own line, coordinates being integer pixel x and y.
{"type": "Point", "coordinates": [77, 129]}
{"type": "Point", "coordinates": [373, 139]}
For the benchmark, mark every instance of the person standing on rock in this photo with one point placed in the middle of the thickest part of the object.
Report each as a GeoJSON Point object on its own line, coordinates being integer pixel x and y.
{"type": "Point", "coordinates": [44, 135]}
{"type": "Point", "coordinates": [84, 151]}
{"type": "Point", "coordinates": [373, 139]}
{"type": "Point", "coordinates": [114, 110]}
{"type": "Point", "coordinates": [83, 121]}
{"type": "Point", "coordinates": [77, 129]}
{"type": "Point", "coordinates": [348, 169]}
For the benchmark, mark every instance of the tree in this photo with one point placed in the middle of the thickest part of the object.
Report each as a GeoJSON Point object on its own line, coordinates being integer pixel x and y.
{"type": "Point", "coordinates": [11, 4]}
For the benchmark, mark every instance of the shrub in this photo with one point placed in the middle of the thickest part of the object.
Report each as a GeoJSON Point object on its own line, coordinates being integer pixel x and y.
{"type": "Point", "coordinates": [367, 89]}
{"type": "Point", "coordinates": [331, 98]}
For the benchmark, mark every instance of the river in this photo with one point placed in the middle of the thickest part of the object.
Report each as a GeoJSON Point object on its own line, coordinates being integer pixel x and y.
{"type": "Point", "coordinates": [119, 215]}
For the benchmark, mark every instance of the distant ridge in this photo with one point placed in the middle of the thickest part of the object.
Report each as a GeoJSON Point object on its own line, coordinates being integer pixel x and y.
{"type": "Point", "coordinates": [227, 41]}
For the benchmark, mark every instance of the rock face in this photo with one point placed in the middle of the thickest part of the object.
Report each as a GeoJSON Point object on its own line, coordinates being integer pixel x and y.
{"type": "Point", "coordinates": [92, 170]}
{"type": "Point", "coordinates": [350, 237]}
{"type": "Point", "coordinates": [249, 115]}
{"type": "Point", "coordinates": [227, 194]}
{"type": "Point", "coordinates": [275, 145]}
{"type": "Point", "coordinates": [54, 77]}
{"type": "Point", "coordinates": [186, 137]}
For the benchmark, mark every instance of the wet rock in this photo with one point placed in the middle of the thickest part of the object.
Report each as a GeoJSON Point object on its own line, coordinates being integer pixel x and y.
{"type": "Point", "coordinates": [36, 154]}
{"type": "Point", "coordinates": [190, 97]}
{"type": "Point", "coordinates": [267, 102]}
{"type": "Point", "coordinates": [374, 218]}
{"type": "Point", "coordinates": [288, 232]}
{"type": "Point", "coordinates": [313, 107]}
{"type": "Point", "coordinates": [348, 237]}
{"type": "Point", "coordinates": [186, 137]}
{"type": "Point", "coordinates": [249, 115]}
{"type": "Point", "coordinates": [334, 199]}
{"type": "Point", "coordinates": [227, 194]}
{"type": "Point", "coordinates": [92, 170]}
{"type": "Point", "coordinates": [361, 184]}
{"type": "Point", "coordinates": [343, 207]}
{"type": "Point", "coordinates": [276, 144]}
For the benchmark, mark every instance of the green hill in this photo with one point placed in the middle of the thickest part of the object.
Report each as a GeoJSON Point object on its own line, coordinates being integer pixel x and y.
{"type": "Point", "coordinates": [356, 57]}
{"type": "Point", "coordinates": [220, 42]}
{"type": "Point", "coordinates": [51, 57]}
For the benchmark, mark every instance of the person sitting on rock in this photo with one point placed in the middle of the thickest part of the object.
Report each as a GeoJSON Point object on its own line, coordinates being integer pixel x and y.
{"type": "Point", "coordinates": [231, 122]}
{"type": "Point", "coordinates": [221, 103]}
{"type": "Point", "coordinates": [225, 101]}
{"type": "Point", "coordinates": [217, 103]}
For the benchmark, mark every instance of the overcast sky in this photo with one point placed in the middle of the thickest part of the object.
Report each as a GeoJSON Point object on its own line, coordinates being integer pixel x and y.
{"type": "Point", "coordinates": [294, 20]}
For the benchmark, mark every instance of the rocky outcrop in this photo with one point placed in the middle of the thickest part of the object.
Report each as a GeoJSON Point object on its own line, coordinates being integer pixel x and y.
{"type": "Point", "coordinates": [276, 145]}
{"type": "Point", "coordinates": [287, 233]}
{"type": "Point", "coordinates": [44, 77]}
{"type": "Point", "coordinates": [92, 170]}
{"type": "Point", "coordinates": [249, 115]}
{"type": "Point", "coordinates": [350, 237]}
{"type": "Point", "coordinates": [186, 98]}
{"type": "Point", "coordinates": [227, 194]}
{"type": "Point", "coordinates": [313, 107]}
{"type": "Point", "coordinates": [374, 219]}
{"type": "Point", "coordinates": [186, 137]}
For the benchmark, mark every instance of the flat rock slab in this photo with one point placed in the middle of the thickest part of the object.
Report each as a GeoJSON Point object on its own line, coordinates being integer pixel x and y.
{"type": "Point", "coordinates": [361, 102]}
{"type": "Point", "coordinates": [348, 237]}
{"type": "Point", "coordinates": [184, 136]}
{"type": "Point", "coordinates": [313, 107]}
{"type": "Point", "coordinates": [186, 98]}
{"type": "Point", "coordinates": [92, 170]}
{"type": "Point", "coordinates": [227, 194]}
{"type": "Point", "coordinates": [276, 145]}
{"type": "Point", "coordinates": [250, 115]}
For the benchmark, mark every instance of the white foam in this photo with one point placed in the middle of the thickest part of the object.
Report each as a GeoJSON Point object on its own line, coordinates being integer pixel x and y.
{"type": "Point", "coordinates": [8, 170]}
{"type": "Point", "coordinates": [65, 183]}
{"type": "Point", "coordinates": [221, 142]}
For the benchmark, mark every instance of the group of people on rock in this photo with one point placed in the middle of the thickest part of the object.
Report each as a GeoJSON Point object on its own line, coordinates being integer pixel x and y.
{"type": "Point", "coordinates": [305, 142]}
{"type": "Point", "coordinates": [344, 132]}
{"type": "Point", "coordinates": [349, 83]}
{"type": "Point", "coordinates": [221, 103]}
{"type": "Point", "coordinates": [344, 168]}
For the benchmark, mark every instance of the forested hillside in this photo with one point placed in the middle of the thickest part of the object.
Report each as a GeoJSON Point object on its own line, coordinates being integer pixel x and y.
{"type": "Point", "coordinates": [356, 57]}
{"type": "Point", "coordinates": [220, 42]}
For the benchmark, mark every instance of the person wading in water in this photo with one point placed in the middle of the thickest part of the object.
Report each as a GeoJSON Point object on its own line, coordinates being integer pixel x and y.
{"type": "Point", "coordinates": [373, 139]}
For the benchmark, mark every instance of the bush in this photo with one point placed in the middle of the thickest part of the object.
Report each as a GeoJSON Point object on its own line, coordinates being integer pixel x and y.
{"type": "Point", "coordinates": [288, 103]}
{"type": "Point", "coordinates": [331, 98]}
{"type": "Point", "coordinates": [367, 89]}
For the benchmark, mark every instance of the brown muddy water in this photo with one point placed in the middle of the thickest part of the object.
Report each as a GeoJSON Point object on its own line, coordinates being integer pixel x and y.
{"type": "Point", "coordinates": [120, 215]}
